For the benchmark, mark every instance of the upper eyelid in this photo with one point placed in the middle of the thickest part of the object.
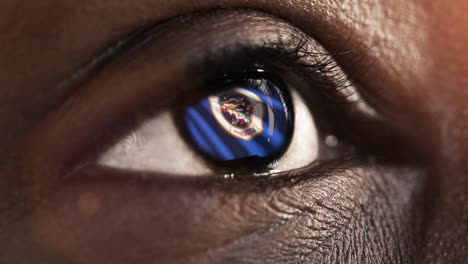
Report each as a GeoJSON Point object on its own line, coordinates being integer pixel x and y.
{"type": "Point", "coordinates": [123, 48]}
{"type": "Point", "coordinates": [267, 32]}
{"type": "Point", "coordinates": [126, 50]}
{"type": "Point", "coordinates": [291, 39]}
{"type": "Point", "coordinates": [141, 36]}
{"type": "Point", "coordinates": [120, 49]}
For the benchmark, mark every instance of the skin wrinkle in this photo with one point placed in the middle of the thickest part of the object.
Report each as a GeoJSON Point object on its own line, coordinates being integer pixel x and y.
{"type": "Point", "coordinates": [326, 214]}
{"type": "Point", "coordinates": [299, 211]}
{"type": "Point", "coordinates": [319, 208]}
{"type": "Point", "coordinates": [389, 227]}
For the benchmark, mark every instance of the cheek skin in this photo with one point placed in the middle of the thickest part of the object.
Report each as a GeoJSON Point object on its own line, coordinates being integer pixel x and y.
{"type": "Point", "coordinates": [317, 220]}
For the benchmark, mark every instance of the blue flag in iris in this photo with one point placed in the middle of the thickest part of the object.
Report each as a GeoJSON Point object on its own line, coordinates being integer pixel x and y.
{"type": "Point", "coordinates": [240, 122]}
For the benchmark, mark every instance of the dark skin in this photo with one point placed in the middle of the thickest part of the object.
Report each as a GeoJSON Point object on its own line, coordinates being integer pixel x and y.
{"type": "Point", "coordinates": [414, 73]}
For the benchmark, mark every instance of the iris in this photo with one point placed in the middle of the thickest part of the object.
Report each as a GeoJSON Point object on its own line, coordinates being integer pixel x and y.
{"type": "Point", "coordinates": [250, 120]}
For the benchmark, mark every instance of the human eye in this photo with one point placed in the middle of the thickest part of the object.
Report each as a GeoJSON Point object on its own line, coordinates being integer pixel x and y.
{"type": "Point", "coordinates": [268, 101]}
{"type": "Point", "coordinates": [257, 107]}
{"type": "Point", "coordinates": [249, 125]}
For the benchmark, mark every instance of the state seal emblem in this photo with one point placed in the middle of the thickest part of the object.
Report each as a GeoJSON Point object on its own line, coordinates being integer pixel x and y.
{"type": "Point", "coordinates": [239, 112]}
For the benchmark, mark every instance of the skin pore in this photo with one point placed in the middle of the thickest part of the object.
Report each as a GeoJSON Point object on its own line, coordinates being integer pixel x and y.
{"type": "Point", "coordinates": [57, 70]}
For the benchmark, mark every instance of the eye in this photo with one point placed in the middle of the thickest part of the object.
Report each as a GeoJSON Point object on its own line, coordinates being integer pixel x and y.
{"type": "Point", "coordinates": [253, 110]}
{"type": "Point", "coordinates": [251, 125]}
{"type": "Point", "coordinates": [268, 100]}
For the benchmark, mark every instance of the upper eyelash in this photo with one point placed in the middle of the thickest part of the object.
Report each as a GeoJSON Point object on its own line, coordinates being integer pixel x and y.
{"type": "Point", "coordinates": [338, 86]}
{"type": "Point", "coordinates": [342, 82]}
{"type": "Point", "coordinates": [328, 66]}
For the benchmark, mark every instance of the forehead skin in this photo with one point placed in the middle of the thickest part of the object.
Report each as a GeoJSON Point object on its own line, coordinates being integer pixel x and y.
{"type": "Point", "coordinates": [419, 76]}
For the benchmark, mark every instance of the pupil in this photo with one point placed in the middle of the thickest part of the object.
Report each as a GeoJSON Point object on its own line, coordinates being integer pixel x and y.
{"type": "Point", "coordinates": [250, 121]}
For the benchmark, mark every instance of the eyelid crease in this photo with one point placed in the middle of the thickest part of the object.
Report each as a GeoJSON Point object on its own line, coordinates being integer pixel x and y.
{"type": "Point", "coordinates": [300, 49]}
{"type": "Point", "coordinates": [142, 35]}
{"type": "Point", "coordinates": [97, 62]}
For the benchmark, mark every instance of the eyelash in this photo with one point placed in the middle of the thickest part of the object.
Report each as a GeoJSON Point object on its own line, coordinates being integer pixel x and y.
{"type": "Point", "coordinates": [246, 59]}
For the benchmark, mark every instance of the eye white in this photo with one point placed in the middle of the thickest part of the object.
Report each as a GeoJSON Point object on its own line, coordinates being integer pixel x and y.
{"type": "Point", "coordinates": [156, 146]}
{"type": "Point", "coordinates": [304, 145]}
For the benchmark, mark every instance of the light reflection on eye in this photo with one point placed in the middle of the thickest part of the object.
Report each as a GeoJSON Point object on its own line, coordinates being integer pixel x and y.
{"type": "Point", "coordinates": [254, 127]}
{"type": "Point", "coordinates": [241, 122]}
